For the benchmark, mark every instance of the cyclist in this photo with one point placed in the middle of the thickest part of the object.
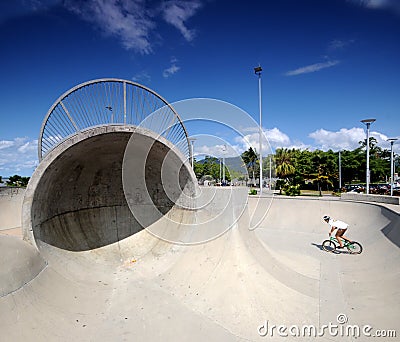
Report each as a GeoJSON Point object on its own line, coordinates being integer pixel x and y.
{"type": "Point", "coordinates": [341, 229]}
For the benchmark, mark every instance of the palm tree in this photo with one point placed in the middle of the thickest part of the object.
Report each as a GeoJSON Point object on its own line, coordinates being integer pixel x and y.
{"type": "Point", "coordinates": [284, 166]}
{"type": "Point", "coordinates": [374, 149]}
{"type": "Point", "coordinates": [284, 163]}
{"type": "Point", "coordinates": [249, 158]}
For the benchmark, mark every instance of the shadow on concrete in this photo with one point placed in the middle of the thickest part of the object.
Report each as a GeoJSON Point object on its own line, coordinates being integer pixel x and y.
{"type": "Point", "coordinates": [392, 230]}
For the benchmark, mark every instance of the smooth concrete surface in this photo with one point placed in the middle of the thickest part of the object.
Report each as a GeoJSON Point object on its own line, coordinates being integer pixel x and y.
{"type": "Point", "coordinates": [354, 196]}
{"type": "Point", "coordinates": [200, 271]}
{"type": "Point", "coordinates": [20, 263]}
{"type": "Point", "coordinates": [75, 200]}
{"type": "Point", "coordinates": [222, 290]}
{"type": "Point", "coordinates": [365, 286]}
{"type": "Point", "coordinates": [10, 207]}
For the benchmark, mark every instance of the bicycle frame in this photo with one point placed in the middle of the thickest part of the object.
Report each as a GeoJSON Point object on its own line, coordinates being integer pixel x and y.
{"type": "Point", "coordinates": [346, 242]}
{"type": "Point", "coordinates": [353, 247]}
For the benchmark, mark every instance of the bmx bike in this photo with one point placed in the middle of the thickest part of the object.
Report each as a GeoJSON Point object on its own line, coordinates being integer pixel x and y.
{"type": "Point", "coordinates": [332, 244]}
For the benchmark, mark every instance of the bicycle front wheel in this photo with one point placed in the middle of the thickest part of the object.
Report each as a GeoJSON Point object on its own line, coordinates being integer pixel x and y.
{"type": "Point", "coordinates": [328, 246]}
{"type": "Point", "coordinates": [354, 248]}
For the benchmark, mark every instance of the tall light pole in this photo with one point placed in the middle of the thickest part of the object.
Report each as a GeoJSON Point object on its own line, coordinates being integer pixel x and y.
{"type": "Point", "coordinates": [391, 140]}
{"type": "Point", "coordinates": [270, 173]}
{"type": "Point", "coordinates": [220, 171]}
{"type": "Point", "coordinates": [368, 122]}
{"type": "Point", "coordinates": [340, 172]}
{"type": "Point", "coordinates": [223, 164]}
{"type": "Point", "coordinates": [257, 71]}
{"type": "Point", "coordinates": [192, 140]}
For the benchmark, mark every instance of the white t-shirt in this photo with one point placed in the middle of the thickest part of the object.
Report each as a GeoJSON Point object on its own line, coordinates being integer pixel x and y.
{"type": "Point", "coordinates": [338, 224]}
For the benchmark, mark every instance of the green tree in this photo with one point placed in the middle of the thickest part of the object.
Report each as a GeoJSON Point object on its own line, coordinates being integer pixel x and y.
{"type": "Point", "coordinates": [211, 166]}
{"type": "Point", "coordinates": [17, 180]}
{"type": "Point", "coordinates": [325, 170]}
{"type": "Point", "coordinates": [379, 160]}
{"type": "Point", "coordinates": [353, 165]}
{"type": "Point", "coordinates": [302, 162]}
{"type": "Point", "coordinates": [198, 169]}
{"type": "Point", "coordinates": [284, 163]}
{"type": "Point", "coordinates": [250, 158]}
{"type": "Point", "coordinates": [396, 159]}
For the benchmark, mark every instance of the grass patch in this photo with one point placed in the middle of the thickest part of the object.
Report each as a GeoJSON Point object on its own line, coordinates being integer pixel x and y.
{"type": "Point", "coordinates": [315, 192]}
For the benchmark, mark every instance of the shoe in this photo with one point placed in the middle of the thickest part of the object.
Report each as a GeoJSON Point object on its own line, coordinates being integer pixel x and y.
{"type": "Point", "coordinates": [339, 247]}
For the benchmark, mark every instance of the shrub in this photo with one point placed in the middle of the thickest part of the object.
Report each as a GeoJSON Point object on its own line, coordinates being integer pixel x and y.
{"type": "Point", "coordinates": [292, 190]}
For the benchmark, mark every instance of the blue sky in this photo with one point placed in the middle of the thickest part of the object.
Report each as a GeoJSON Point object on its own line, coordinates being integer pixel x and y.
{"type": "Point", "coordinates": [327, 64]}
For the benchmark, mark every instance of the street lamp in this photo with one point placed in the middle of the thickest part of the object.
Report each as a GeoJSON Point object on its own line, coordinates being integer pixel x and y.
{"type": "Point", "coordinates": [223, 163]}
{"type": "Point", "coordinates": [270, 173]}
{"type": "Point", "coordinates": [368, 122]}
{"type": "Point", "coordinates": [192, 151]}
{"type": "Point", "coordinates": [391, 140]}
{"type": "Point", "coordinates": [340, 172]}
{"type": "Point", "coordinates": [257, 71]}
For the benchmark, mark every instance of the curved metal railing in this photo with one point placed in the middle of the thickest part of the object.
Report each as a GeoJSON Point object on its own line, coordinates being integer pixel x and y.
{"type": "Point", "coordinates": [110, 101]}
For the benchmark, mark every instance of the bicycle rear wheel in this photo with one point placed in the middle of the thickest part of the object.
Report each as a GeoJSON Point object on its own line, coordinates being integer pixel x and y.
{"type": "Point", "coordinates": [354, 248]}
{"type": "Point", "coordinates": [328, 246]}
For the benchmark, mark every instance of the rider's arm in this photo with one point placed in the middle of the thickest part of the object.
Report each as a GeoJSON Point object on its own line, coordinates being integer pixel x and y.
{"type": "Point", "coordinates": [333, 228]}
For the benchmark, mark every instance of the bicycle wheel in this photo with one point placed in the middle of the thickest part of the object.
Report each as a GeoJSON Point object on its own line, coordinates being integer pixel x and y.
{"type": "Point", "coordinates": [354, 248]}
{"type": "Point", "coordinates": [328, 246]}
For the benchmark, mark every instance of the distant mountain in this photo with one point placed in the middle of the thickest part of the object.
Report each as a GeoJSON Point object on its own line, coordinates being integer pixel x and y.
{"type": "Point", "coordinates": [232, 163]}
{"type": "Point", "coordinates": [236, 164]}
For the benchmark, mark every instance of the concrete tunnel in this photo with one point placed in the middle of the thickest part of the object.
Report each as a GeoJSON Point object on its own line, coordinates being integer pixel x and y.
{"type": "Point", "coordinates": [76, 201]}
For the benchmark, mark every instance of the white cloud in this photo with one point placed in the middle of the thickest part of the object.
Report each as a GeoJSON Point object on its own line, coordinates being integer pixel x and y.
{"type": "Point", "coordinates": [38, 5]}
{"type": "Point", "coordinates": [273, 138]}
{"type": "Point", "coordinates": [277, 138]}
{"type": "Point", "coordinates": [18, 156]}
{"type": "Point", "coordinates": [379, 4]}
{"type": "Point", "coordinates": [218, 151]}
{"type": "Point", "coordinates": [344, 139]}
{"type": "Point", "coordinates": [173, 69]}
{"type": "Point", "coordinates": [338, 44]}
{"type": "Point", "coordinates": [178, 12]}
{"type": "Point", "coordinates": [142, 76]}
{"type": "Point", "coordinates": [312, 68]}
{"type": "Point", "coordinates": [6, 144]}
{"type": "Point", "coordinates": [170, 71]}
{"type": "Point", "coordinates": [128, 20]}
{"type": "Point", "coordinates": [133, 22]}
{"type": "Point", "coordinates": [28, 147]}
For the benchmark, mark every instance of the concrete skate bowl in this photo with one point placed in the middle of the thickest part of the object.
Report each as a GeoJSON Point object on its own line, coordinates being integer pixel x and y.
{"type": "Point", "coordinates": [76, 200]}
{"type": "Point", "coordinates": [10, 209]}
{"type": "Point", "coordinates": [76, 204]}
{"type": "Point", "coordinates": [222, 290]}
{"type": "Point", "coordinates": [363, 287]}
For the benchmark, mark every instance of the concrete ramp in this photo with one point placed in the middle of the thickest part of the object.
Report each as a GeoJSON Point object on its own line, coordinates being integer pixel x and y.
{"type": "Point", "coordinates": [222, 290]}
{"type": "Point", "coordinates": [363, 287]}
{"type": "Point", "coordinates": [10, 210]}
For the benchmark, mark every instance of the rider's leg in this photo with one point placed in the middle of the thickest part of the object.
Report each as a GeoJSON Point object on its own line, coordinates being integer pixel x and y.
{"type": "Point", "coordinates": [338, 236]}
{"type": "Point", "coordinates": [345, 238]}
